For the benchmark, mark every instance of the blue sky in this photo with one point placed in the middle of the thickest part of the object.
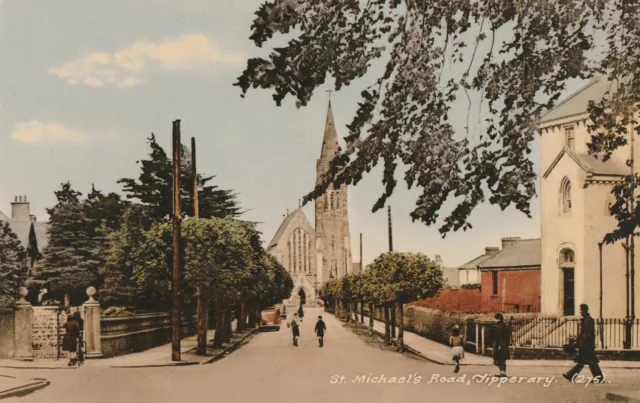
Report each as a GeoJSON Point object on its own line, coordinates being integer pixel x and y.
{"type": "Point", "coordinates": [83, 84]}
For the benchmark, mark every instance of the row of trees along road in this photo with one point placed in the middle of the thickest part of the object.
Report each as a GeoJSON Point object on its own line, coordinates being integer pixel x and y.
{"type": "Point", "coordinates": [122, 246]}
{"type": "Point", "coordinates": [391, 281]}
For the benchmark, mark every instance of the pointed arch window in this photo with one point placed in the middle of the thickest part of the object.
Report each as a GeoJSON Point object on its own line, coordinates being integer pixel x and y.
{"type": "Point", "coordinates": [326, 202]}
{"type": "Point", "coordinates": [565, 195]}
{"type": "Point", "coordinates": [337, 200]}
{"type": "Point", "coordinates": [567, 259]}
{"type": "Point", "coordinates": [331, 201]}
{"type": "Point", "coordinates": [290, 260]}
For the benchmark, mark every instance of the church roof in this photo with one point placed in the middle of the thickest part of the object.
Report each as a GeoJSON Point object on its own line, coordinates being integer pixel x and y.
{"type": "Point", "coordinates": [525, 253]}
{"type": "Point", "coordinates": [283, 227]}
{"type": "Point", "coordinates": [577, 103]}
{"type": "Point", "coordinates": [590, 164]}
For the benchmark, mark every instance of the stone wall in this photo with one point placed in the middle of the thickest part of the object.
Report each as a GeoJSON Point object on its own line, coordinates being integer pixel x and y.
{"type": "Point", "coordinates": [128, 334]}
{"type": "Point", "coordinates": [47, 330]}
{"type": "Point", "coordinates": [6, 332]}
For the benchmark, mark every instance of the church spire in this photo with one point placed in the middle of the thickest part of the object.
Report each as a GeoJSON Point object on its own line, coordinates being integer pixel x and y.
{"type": "Point", "coordinates": [329, 142]}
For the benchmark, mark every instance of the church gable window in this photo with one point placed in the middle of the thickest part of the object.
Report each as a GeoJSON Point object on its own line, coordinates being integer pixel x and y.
{"type": "Point", "coordinates": [290, 261]}
{"type": "Point", "coordinates": [570, 138]}
{"type": "Point", "coordinates": [567, 258]}
{"type": "Point", "coordinates": [326, 201]}
{"type": "Point", "coordinates": [332, 201]}
{"type": "Point", "coordinates": [565, 195]}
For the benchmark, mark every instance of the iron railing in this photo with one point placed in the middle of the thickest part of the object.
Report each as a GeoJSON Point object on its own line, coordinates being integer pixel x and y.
{"type": "Point", "coordinates": [556, 332]}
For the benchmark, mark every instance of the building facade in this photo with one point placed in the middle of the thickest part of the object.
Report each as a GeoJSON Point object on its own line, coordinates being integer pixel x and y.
{"type": "Point", "coordinates": [575, 197]}
{"type": "Point", "coordinates": [21, 221]}
{"type": "Point", "coordinates": [313, 256]}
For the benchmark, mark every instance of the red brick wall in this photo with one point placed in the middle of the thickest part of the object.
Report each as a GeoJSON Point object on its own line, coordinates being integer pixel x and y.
{"type": "Point", "coordinates": [460, 300]}
{"type": "Point", "coordinates": [515, 287]}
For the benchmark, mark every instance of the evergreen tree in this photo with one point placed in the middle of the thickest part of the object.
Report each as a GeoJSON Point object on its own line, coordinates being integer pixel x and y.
{"type": "Point", "coordinates": [119, 251]}
{"type": "Point", "coordinates": [12, 264]}
{"type": "Point", "coordinates": [153, 188]}
{"type": "Point", "coordinates": [70, 263]}
{"type": "Point", "coordinates": [33, 252]}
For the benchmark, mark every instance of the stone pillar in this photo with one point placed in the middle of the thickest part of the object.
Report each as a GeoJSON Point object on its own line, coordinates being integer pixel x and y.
{"type": "Point", "coordinates": [23, 320]}
{"type": "Point", "coordinates": [92, 325]}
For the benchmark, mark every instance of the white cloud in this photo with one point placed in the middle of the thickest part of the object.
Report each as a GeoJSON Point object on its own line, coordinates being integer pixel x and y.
{"type": "Point", "coordinates": [40, 133]}
{"type": "Point", "coordinates": [124, 67]}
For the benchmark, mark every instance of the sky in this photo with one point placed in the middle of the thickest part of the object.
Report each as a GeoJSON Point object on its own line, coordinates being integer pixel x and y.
{"type": "Point", "coordinates": [84, 83]}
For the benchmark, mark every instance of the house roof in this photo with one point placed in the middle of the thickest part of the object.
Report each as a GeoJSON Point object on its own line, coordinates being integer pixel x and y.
{"type": "Point", "coordinates": [473, 264]}
{"type": "Point", "coordinates": [22, 228]}
{"type": "Point", "coordinates": [590, 164]}
{"type": "Point", "coordinates": [577, 103]}
{"type": "Point", "coordinates": [525, 253]}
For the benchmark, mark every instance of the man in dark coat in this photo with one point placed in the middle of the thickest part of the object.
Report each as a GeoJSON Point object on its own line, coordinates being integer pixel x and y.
{"type": "Point", "coordinates": [586, 348]}
{"type": "Point", "coordinates": [321, 328]}
{"type": "Point", "coordinates": [500, 344]}
{"type": "Point", "coordinates": [301, 312]}
{"type": "Point", "coordinates": [70, 338]}
{"type": "Point", "coordinates": [295, 329]}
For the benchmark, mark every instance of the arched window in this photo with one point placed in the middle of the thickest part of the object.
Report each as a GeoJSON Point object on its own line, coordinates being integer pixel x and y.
{"type": "Point", "coordinates": [326, 202]}
{"type": "Point", "coordinates": [567, 258]}
{"type": "Point", "coordinates": [570, 138]}
{"type": "Point", "coordinates": [331, 200]}
{"type": "Point", "coordinates": [290, 261]}
{"type": "Point", "coordinates": [565, 194]}
{"type": "Point", "coordinates": [337, 200]}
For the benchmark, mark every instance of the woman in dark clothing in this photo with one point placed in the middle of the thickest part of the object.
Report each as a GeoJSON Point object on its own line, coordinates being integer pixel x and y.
{"type": "Point", "coordinates": [300, 313]}
{"type": "Point", "coordinates": [500, 344]}
{"type": "Point", "coordinates": [78, 317]}
{"type": "Point", "coordinates": [70, 339]}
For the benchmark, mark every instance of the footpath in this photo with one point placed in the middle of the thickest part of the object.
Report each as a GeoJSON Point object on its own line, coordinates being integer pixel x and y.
{"type": "Point", "coordinates": [11, 386]}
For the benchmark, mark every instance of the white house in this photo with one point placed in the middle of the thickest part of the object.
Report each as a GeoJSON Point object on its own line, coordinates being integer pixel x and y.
{"type": "Point", "coordinates": [575, 198]}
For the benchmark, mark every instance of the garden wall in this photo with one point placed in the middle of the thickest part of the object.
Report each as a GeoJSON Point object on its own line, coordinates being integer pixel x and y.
{"type": "Point", "coordinates": [128, 334]}
{"type": "Point", "coordinates": [6, 332]}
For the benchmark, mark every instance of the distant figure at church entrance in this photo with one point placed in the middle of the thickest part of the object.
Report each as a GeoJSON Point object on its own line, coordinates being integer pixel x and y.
{"type": "Point", "coordinates": [303, 297]}
{"type": "Point", "coordinates": [301, 312]}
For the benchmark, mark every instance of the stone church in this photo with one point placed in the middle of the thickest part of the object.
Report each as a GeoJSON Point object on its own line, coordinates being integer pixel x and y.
{"type": "Point", "coordinates": [313, 256]}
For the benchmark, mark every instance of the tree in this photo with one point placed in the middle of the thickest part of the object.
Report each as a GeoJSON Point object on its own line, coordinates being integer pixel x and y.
{"type": "Point", "coordinates": [13, 271]}
{"type": "Point", "coordinates": [403, 278]}
{"type": "Point", "coordinates": [118, 255]}
{"type": "Point", "coordinates": [153, 188]}
{"type": "Point", "coordinates": [70, 261]}
{"type": "Point", "coordinates": [516, 57]}
{"type": "Point", "coordinates": [33, 252]}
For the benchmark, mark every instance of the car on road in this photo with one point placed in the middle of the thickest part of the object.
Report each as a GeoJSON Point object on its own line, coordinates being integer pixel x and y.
{"type": "Point", "coordinates": [270, 319]}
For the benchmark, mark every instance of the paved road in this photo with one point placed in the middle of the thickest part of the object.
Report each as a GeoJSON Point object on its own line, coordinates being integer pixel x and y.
{"type": "Point", "coordinates": [270, 369]}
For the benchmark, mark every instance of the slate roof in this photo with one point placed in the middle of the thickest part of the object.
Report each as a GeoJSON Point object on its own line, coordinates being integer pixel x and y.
{"type": "Point", "coordinates": [525, 253]}
{"type": "Point", "coordinates": [473, 264]}
{"type": "Point", "coordinates": [590, 164]}
{"type": "Point", "coordinates": [576, 104]}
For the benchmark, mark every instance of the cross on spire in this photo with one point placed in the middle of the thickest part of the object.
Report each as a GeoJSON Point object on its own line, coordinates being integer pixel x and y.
{"type": "Point", "coordinates": [329, 91]}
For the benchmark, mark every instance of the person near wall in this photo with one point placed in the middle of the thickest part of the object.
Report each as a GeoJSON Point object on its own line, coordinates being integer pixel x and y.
{"type": "Point", "coordinates": [300, 312]}
{"type": "Point", "coordinates": [457, 347]}
{"type": "Point", "coordinates": [500, 335]}
{"type": "Point", "coordinates": [586, 348]}
{"type": "Point", "coordinates": [70, 339]}
{"type": "Point", "coordinates": [78, 317]}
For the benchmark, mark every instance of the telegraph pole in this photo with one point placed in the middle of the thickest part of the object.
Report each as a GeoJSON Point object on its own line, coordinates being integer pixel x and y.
{"type": "Point", "coordinates": [601, 327]}
{"type": "Point", "coordinates": [361, 265]}
{"type": "Point", "coordinates": [392, 310]}
{"type": "Point", "coordinates": [175, 310]}
{"type": "Point", "coordinates": [203, 298]}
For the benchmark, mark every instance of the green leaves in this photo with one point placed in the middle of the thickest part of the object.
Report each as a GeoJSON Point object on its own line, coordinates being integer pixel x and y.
{"type": "Point", "coordinates": [13, 270]}
{"type": "Point", "coordinates": [406, 112]}
{"type": "Point", "coordinates": [392, 278]}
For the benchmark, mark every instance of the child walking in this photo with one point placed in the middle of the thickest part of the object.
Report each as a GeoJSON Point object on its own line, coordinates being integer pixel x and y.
{"type": "Point", "coordinates": [457, 347]}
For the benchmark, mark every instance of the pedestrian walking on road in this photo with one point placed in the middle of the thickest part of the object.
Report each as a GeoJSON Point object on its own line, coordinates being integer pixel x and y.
{"type": "Point", "coordinates": [295, 328]}
{"type": "Point", "coordinates": [321, 329]}
{"type": "Point", "coordinates": [78, 317]}
{"type": "Point", "coordinates": [70, 338]}
{"type": "Point", "coordinates": [300, 312]}
{"type": "Point", "coordinates": [500, 344]}
{"type": "Point", "coordinates": [457, 347]}
{"type": "Point", "coordinates": [586, 348]}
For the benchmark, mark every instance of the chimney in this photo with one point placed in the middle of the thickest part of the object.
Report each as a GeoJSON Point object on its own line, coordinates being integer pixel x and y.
{"type": "Point", "coordinates": [438, 260]}
{"type": "Point", "coordinates": [510, 241]}
{"type": "Point", "coordinates": [20, 209]}
{"type": "Point", "coordinates": [491, 250]}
